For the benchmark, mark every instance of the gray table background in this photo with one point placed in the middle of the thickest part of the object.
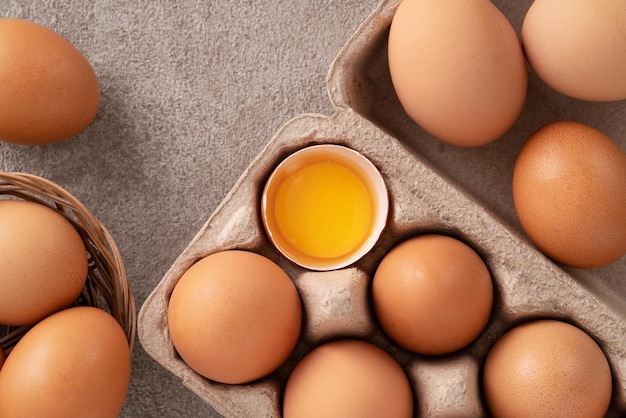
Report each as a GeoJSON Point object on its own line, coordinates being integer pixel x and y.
{"type": "Point", "coordinates": [191, 92]}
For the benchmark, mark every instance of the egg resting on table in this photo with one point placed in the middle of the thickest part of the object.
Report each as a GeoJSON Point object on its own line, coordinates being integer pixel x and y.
{"type": "Point", "coordinates": [48, 90]}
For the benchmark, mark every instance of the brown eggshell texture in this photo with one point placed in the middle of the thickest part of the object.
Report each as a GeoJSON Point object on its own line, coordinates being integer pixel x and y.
{"type": "Point", "coordinates": [431, 283]}
{"type": "Point", "coordinates": [457, 68]}
{"type": "Point", "coordinates": [73, 364]}
{"type": "Point", "coordinates": [547, 368]}
{"type": "Point", "coordinates": [43, 262]}
{"type": "Point", "coordinates": [570, 194]}
{"type": "Point", "coordinates": [348, 378]}
{"type": "Point", "coordinates": [234, 316]}
{"type": "Point", "coordinates": [48, 90]}
{"type": "Point", "coordinates": [578, 47]}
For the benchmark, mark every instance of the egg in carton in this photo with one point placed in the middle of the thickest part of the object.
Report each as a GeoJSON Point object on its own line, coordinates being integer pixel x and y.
{"type": "Point", "coordinates": [430, 190]}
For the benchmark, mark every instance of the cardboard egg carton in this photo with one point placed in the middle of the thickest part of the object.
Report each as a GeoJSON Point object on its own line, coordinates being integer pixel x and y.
{"type": "Point", "coordinates": [433, 188]}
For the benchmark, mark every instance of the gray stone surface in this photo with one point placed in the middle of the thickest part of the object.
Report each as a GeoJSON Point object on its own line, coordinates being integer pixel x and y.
{"type": "Point", "coordinates": [196, 99]}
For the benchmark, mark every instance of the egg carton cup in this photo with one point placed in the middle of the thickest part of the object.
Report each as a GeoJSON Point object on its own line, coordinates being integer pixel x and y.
{"type": "Point", "coordinates": [424, 198]}
{"type": "Point", "coordinates": [106, 286]}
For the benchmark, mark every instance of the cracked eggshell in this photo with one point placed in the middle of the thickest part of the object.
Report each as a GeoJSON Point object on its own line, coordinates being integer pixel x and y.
{"type": "Point", "coordinates": [526, 284]}
{"type": "Point", "coordinates": [423, 198]}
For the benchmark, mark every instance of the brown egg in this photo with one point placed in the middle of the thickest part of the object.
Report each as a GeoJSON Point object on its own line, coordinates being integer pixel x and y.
{"type": "Point", "coordinates": [570, 194]}
{"type": "Point", "coordinates": [457, 68]}
{"type": "Point", "coordinates": [348, 378]}
{"type": "Point", "coordinates": [431, 283]}
{"type": "Point", "coordinates": [74, 363]}
{"type": "Point", "coordinates": [43, 262]}
{"type": "Point", "coordinates": [234, 316]}
{"type": "Point", "coordinates": [48, 89]}
{"type": "Point", "coordinates": [547, 368]}
{"type": "Point", "coordinates": [578, 47]}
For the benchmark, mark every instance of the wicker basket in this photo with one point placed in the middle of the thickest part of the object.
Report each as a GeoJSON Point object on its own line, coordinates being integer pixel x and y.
{"type": "Point", "coordinates": [106, 286]}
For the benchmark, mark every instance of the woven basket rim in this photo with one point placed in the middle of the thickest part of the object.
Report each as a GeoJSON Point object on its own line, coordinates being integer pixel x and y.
{"type": "Point", "coordinates": [107, 285]}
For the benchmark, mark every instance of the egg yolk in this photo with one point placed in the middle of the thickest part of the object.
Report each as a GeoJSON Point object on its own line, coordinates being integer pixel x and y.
{"type": "Point", "coordinates": [323, 210]}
